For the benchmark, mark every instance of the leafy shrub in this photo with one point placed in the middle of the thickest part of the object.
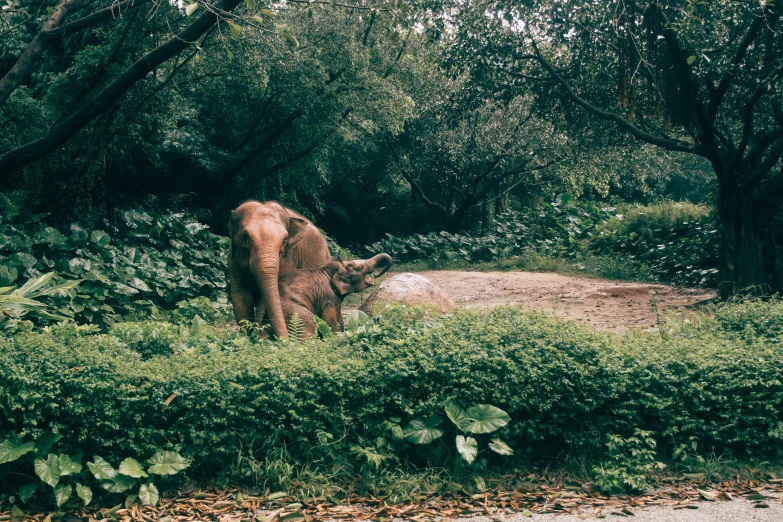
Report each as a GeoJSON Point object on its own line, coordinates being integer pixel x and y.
{"type": "Point", "coordinates": [564, 386]}
{"type": "Point", "coordinates": [678, 241]}
{"type": "Point", "coordinates": [65, 474]}
{"type": "Point", "coordinates": [554, 228]}
{"type": "Point", "coordinates": [630, 461]}
{"type": "Point", "coordinates": [16, 303]}
{"type": "Point", "coordinates": [143, 261]}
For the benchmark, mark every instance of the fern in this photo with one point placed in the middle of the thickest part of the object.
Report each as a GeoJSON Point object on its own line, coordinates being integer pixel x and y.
{"type": "Point", "coordinates": [296, 329]}
{"type": "Point", "coordinates": [373, 457]}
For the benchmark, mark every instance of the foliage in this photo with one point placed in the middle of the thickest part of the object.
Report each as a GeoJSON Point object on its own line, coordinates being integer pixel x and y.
{"type": "Point", "coordinates": [554, 228]}
{"type": "Point", "coordinates": [666, 241]}
{"type": "Point", "coordinates": [66, 475]}
{"type": "Point", "coordinates": [630, 461]}
{"type": "Point", "coordinates": [479, 419]}
{"type": "Point", "coordinates": [17, 303]}
{"type": "Point", "coordinates": [140, 263]}
{"type": "Point", "coordinates": [565, 386]}
{"type": "Point", "coordinates": [678, 241]}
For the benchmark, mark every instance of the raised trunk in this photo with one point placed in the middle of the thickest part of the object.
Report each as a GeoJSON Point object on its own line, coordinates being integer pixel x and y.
{"type": "Point", "coordinates": [750, 257]}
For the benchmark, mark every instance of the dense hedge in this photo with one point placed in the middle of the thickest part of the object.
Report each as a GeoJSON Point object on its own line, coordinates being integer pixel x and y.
{"type": "Point", "coordinates": [564, 386]}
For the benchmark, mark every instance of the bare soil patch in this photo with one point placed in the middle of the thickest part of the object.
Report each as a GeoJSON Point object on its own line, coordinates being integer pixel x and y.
{"type": "Point", "coordinates": [602, 303]}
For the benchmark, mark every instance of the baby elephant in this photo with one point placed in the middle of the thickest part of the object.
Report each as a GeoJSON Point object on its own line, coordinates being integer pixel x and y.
{"type": "Point", "coordinates": [321, 291]}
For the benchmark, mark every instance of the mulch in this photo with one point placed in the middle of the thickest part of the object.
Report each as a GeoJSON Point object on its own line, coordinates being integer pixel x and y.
{"type": "Point", "coordinates": [235, 505]}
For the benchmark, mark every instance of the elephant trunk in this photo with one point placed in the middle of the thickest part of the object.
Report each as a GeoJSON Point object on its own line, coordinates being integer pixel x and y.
{"type": "Point", "coordinates": [267, 269]}
{"type": "Point", "coordinates": [381, 262]}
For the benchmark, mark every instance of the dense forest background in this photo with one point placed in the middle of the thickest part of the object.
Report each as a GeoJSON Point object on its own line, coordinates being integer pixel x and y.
{"type": "Point", "coordinates": [403, 117]}
{"type": "Point", "coordinates": [324, 108]}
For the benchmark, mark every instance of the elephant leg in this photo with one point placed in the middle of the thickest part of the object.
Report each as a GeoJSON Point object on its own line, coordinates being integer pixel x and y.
{"type": "Point", "coordinates": [333, 318]}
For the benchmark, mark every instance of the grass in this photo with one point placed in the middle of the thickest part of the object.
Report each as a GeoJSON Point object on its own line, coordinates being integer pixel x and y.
{"type": "Point", "coordinates": [583, 265]}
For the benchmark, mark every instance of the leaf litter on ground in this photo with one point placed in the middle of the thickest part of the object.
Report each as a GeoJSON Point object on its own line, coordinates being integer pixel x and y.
{"type": "Point", "coordinates": [236, 505]}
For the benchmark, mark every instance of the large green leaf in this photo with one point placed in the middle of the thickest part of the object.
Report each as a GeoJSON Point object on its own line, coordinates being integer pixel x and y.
{"type": "Point", "coordinates": [148, 494]}
{"type": "Point", "coordinates": [84, 493]}
{"type": "Point", "coordinates": [32, 285]}
{"type": "Point", "coordinates": [456, 413]}
{"type": "Point", "coordinates": [167, 463]}
{"type": "Point", "coordinates": [467, 448]}
{"type": "Point", "coordinates": [101, 469]}
{"type": "Point", "coordinates": [423, 431]}
{"type": "Point", "coordinates": [48, 470]}
{"type": "Point", "coordinates": [11, 450]}
{"type": "Point", "coordinates": [132, 468]}
{"type": "Point", "coordinates": [485, 418]}
{"type": "Point", "coordinates": [69, 465]}
{"type": "Point", "coordinates": [500, 447]}
{"type": "Point", "coordinates": [62, 492]}
{"type": "Point", "coordinates": [25, 492]}
{"type": "Point", "coordinates": [62, 287]}
{"type": "Point", "coordinates": [119, 484]}
{"type": "Point", "coordinates": [45, 442]}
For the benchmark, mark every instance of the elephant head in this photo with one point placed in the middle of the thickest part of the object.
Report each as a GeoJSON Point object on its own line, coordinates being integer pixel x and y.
{"type": "Point", "coordinates": [266, 239]}
{"type": "Point", "coordinates": [355, 276]}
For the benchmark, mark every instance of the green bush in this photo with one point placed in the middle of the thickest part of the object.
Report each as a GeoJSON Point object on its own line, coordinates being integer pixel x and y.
{"type": "Point", "coordinates": [678, 241]}
{"type": "Point", "coordinates": [553, 229]}
{"type": "Point", "coordinates": [141, 262]}
{"type": "Point", "coordinates": [668, 241]}
{"type": "Point", "coordinates": [212, 393]}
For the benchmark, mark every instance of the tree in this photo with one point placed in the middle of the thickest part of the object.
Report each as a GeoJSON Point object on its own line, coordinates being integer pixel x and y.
{"type": "Point", "coordinates": [700, 78]}
{"type": "Point", "coordinates": [185, 35]}
{"type": "Point", "coordinates": [458, 153]}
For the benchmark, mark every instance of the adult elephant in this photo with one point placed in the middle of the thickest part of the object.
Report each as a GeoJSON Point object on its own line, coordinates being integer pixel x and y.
{"type": "Point", "coordinates": [268, 239]}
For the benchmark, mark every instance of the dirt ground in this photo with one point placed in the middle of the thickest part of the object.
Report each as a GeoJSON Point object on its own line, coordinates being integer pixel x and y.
{"type": "Point", "coordinates": [604, 304]}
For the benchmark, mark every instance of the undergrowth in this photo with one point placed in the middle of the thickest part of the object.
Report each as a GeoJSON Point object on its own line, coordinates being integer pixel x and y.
{"type": "Point", "coordinates": [312, 418]}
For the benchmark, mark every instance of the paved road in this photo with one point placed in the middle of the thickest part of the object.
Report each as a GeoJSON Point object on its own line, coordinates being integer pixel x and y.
{"type": "Point", "coordinates": [738, 510]}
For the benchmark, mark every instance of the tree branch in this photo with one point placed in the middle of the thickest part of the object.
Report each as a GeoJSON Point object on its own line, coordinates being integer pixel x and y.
{"type": "Point", "coordinates": [415, 186]}
{"type": "Point", "coordinates": [30, 56]}
{"type": "Point", "coordinates": [636, 132]}
{"type": "Point", "coordinates": [720, 91]}
{"type": "Point", "coordinates": [94, 18]}
{"type": "Point", "coordinates": [36, 149]}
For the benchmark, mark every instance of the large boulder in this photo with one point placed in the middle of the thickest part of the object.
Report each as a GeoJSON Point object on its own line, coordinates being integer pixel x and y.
{"type": "Point", "coordinates": [409, 289]}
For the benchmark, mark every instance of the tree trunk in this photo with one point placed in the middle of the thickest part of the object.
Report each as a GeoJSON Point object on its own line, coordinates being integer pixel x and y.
{"type": "Point", "coordinates": [750, 257]}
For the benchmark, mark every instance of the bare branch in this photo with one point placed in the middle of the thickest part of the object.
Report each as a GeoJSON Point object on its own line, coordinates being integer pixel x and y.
{"type": "Point", "coordinates": [636, 132]}
{"type": "Point", "coordinates": [415, 186]}
{"type": "Point", "coordinates": [26, 62]}
{"type": "Point", "coordinates": [717, 95]}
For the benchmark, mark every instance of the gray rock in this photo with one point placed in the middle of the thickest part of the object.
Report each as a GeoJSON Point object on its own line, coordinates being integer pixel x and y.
{"type": "Point", "coordinates": [410, 289]}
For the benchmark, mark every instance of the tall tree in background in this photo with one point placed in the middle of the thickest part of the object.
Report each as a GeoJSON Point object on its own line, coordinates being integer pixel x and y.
{"type": "Point", "coordinates": [696, 77]}
{"type": "Point", "coordinates": [171, 30]}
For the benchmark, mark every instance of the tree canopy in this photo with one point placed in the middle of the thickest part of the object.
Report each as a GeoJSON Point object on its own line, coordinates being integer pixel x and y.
{"type": "Point", "coordinates": [400, 116]}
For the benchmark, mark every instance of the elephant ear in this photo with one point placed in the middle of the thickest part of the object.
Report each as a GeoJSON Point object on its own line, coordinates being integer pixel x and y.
{"type": "Point", "coordinates": [296, 228]}
{"type": "Point", "coordinates": [341, 282]}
